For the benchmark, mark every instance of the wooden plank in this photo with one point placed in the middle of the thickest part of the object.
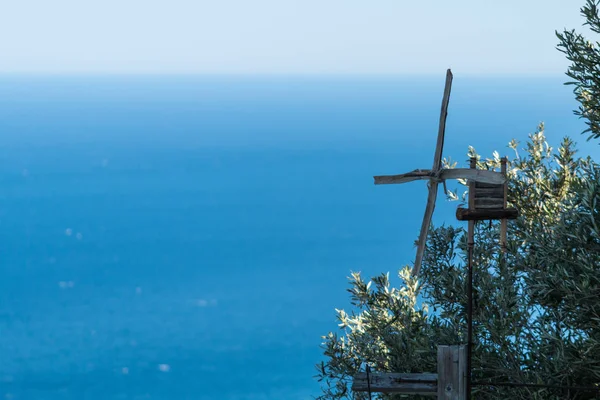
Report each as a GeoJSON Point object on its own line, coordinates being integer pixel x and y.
{"type": "Point", "coordinates": [444, 368]}
{"type": "Point", "coordinates": [482, 177]}
{"type": "Point", "coordinates": [488, 206]}
{"type": "Point", "coordinates": [433, 185]}
{"type": "Point", "coordinates": [497, 192]}
{"type": "Point", "coordinates": [452, 362]}
{"type": "Point", "coordinates": [439, 147]}
{"type": "Point", "coordinates": [421, 384]}
{"type": "Point", "coordinates": [403, 178]}
{"type": "Point", "coordinates": [488, 177]}
{"type": "Point", "coordinates": [448, 387]}
{"type": "Point", "coordinates": [485, 185]}
{"type": "Point", "coordinates": [489, 202]}
{"type": "Point", "coordinates": [464, 214]}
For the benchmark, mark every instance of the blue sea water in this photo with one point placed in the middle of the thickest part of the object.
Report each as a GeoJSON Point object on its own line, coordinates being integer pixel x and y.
{"type": "Point", "coordinates": [190, 237]}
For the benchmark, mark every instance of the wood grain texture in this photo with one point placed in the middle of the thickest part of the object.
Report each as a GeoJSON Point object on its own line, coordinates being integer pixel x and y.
{"type": "Point", "coordinates": [422, 384]}
{"type": "Point", "coordinates": [489, 177]}
{"type": "Point", "coordinates": [403, 178]}
{"type": "Point", "coordinates": [480, 176]}
{"type": "Point", "coordinates": [448, 359]}
{"type": "Point", "coordinates": [497, 192]}
{"type": "Point", "coordinates": [489, 202]}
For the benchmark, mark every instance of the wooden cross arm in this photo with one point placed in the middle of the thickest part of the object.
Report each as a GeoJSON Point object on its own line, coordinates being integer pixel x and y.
{"type": "Point", "coordinates": [403, 178]}
{"type": "Point", "coordinates": [476, 175]}
{"type": "Point", "coordinates": [422, 384]}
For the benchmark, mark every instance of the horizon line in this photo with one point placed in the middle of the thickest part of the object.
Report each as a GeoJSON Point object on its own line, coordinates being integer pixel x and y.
{"type": "Point", "coordinates": [371, 75]}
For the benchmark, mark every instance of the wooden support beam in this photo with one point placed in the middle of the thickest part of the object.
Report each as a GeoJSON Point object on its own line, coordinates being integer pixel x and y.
{"type": "Point", "coordinates": [477, 175]}
{"type": "Point", "coordinates": [464, 214]}
{"type": "Point", "coordinates": [452, 363]}
{"type": "Point", "coordinates": [422, 384]}
{"type": "Point", "coordinates": [425, 227]}
{"type": "Point", "coordinates": [439, 147]}
{"type": "Point", "coordinates": [403, 178]}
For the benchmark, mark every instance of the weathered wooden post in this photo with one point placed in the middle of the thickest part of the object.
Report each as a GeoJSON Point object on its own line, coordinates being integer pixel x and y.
{"type": "Point", "coordinates": [448, 384]}
{"type": "Point", "coordinates": [452, 372]}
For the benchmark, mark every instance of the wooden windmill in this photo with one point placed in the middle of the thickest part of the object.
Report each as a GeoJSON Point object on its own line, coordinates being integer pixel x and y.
{"type": "Point", "coordinates": [487, 201]}
{"type": "Point", "coordinates": [437, 174]}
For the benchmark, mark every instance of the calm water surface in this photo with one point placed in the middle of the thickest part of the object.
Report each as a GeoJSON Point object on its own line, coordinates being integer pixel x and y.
{"type": "Point", "coordinates": [189, 238]}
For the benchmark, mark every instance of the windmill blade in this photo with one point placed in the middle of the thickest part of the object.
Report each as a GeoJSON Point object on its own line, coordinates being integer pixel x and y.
{"type": "Point", "coordinates": [403, 178]}
{"type": "Point", "coordinates": [437, 159]}
{"type": "Point", "coordinates": [433, 186]}
{"type": "Point", "coordinates": [475, 175]}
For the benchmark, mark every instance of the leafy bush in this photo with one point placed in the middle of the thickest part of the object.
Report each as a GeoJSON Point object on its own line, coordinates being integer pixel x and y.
{"type": "Point", "coordinates": [536, 306]}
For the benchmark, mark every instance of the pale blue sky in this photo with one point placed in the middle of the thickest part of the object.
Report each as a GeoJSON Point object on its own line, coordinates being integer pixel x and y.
{"type": "Point", "coordinates": [284, 36]}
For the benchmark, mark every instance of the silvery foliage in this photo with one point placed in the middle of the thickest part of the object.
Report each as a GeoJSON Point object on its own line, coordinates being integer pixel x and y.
{"type": "Point", "coordinates": [537, 306]}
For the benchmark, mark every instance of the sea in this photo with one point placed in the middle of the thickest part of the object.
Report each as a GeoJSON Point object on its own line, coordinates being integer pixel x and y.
{"type": "Point", "coordinates": [189, 237]}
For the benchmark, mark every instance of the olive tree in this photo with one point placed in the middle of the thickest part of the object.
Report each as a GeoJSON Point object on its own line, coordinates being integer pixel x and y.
{"type": "Point", "coordinates": [584, 71]}
{"type": "Point", "coordinates": [536, 305]}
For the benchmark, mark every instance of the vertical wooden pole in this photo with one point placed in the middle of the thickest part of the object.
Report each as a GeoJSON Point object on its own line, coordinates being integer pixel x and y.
{"type": "Point", "coordinates": [470, 244]}
{"type": "Point", "coordinates": [451, 362]}
{"type": "Point", "coordinates": [503, 221]}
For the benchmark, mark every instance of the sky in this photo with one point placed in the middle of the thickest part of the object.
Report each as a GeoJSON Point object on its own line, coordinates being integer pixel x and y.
{"type": "Point", "coordinates": [284, 36]}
